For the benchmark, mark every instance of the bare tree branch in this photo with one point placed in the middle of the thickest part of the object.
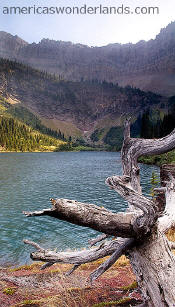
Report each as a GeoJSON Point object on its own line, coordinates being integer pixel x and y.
{"type": "Point", "coordinates": [39, 213]}
{"type": "Point", "coordinates": [127, 129]}
{"type": "Point", "coordinates": [34, 245]}
{"type": "Point", "coordinates": [98, 239]}
{"type": "Point", "coordinates": [167, 220]}
{"type": "Point", "coordinates": [47, 265]}
{"type": "Point", "coordinates": [121, 224]}
{"type": "Point", "coordinates": [109, 262]}
{"type": "Point", "coordinates": [134, 148]}
{"type": "Point", "coordinates": [143, 223]}
{"type": "Point", "coordinates": [77, 257]}
{"type": "Point", "coordinates": [88, 215]}
{"type": "Point", "coordinates": [75, 267]}
{"type": "Point", "coordinates": [155, 146]}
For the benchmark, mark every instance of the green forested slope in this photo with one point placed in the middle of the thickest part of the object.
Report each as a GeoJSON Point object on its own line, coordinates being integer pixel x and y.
{"type": "Point", "coordinates": [16, 135]}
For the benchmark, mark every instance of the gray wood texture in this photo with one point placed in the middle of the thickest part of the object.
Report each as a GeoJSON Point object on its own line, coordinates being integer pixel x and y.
{"type": "Point", "coordinates": [140, 231]}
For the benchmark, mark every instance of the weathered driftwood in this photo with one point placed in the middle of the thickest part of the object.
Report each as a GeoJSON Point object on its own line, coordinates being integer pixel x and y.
{"type": "Point", "coordinates": [141, 229]}
{"type": "Point", "coordinates": [77, 257]}
{"type": "Point", "coordinates": [98, 239]}
{"type": "Point", "coordinates": [89, 215]}
{"type": "Point", "coordinates": [110, 261]}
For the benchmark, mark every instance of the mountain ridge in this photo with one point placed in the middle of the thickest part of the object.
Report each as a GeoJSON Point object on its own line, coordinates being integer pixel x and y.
{"type": "Point", "coordinates": [149, 65]}
{"type": "Point", "coordinates": [79, 107]}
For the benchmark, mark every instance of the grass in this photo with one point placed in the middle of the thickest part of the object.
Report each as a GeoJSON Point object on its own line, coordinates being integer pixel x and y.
{"type": "Point", "coordinates": [26, 303]}
{"type": "Point", "coordinates": [9, 291]}
{"type": "Point", "coordinates": [132, 286]}
{"type": "Point", "coordinates": [27, 267]}
{"type": "Point", "coordinates": [113, 303]}
{"type": "Point", "coordinates": [122, 261]}
{"type": "Point", "coordinates": [72, 291]}
{"type": "Point", "coordinates": [115, 288]}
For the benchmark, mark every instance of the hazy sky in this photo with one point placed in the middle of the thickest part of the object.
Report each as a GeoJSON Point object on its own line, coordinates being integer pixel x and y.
{"type": "Point", "coordinates": [90, 29]}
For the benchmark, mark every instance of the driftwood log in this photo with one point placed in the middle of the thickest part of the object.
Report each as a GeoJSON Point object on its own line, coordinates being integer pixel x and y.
{"type": "Point", "coordinates": [139, 232]}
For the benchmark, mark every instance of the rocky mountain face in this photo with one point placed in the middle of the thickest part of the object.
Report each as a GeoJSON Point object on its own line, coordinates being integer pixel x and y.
{"type": "Point", "coordinates": [76, 108]}
{"type": "Point", "coordinates": [145, 65]}
{"type": "Point", "coordinates": [10, 45]}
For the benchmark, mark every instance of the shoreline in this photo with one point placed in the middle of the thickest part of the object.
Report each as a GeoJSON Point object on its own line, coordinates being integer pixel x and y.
{"type": "Point", "coordinates": [44, 151]}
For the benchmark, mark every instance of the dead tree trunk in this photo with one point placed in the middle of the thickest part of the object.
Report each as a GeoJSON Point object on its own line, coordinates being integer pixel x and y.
{"type": "Point", "coordinates": [141, 229]}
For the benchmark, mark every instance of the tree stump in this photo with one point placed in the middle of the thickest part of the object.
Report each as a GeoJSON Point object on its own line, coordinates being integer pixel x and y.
{"type": "Point", "coordinates": [140, 230]}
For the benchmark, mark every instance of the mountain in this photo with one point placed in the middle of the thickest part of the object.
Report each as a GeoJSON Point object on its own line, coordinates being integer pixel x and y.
{"type": "Point", "coordinates": [149, 66]}
{"type": "Point", "coordinates": [10, 44]}
{"type": "Point", "coordinates": [16, 135]}
{"type": "Point", "coordinates": [86, 109]}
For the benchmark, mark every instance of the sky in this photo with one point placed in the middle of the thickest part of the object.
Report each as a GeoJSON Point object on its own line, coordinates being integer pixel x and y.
{"type": "Point", "coordinates": [90, 29]}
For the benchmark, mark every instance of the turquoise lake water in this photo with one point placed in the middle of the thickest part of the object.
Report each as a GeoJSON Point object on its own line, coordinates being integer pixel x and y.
{"type": "Point", "coordinates": [29, 180]}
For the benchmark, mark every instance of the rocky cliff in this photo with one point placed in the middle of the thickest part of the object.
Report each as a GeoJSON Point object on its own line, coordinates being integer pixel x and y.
{"type": "Point", "coordinates": [146, 65]}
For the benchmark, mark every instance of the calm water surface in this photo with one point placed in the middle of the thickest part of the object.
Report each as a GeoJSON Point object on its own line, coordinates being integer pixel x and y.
{"type": "Point", "coordinates": [29, 180]}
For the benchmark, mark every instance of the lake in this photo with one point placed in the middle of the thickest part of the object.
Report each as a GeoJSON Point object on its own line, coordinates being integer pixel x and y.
{"type": "Point", "coordinates": [29, 180]}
